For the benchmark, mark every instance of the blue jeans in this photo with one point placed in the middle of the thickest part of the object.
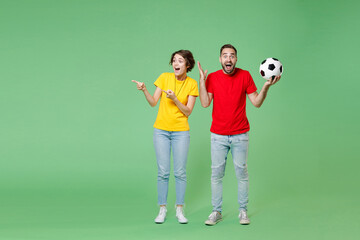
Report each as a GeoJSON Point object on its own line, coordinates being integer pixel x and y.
{"type": "Point", "coordinates": [179, 142]}
{"type": "Point", "coordinates": [220, 146]}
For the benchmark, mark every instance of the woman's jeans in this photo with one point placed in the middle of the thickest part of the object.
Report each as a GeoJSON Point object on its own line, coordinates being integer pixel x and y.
{"type": "Point", "coordinates": [220, 146]}
{"type": "Point", "coordinates": [179, 142]}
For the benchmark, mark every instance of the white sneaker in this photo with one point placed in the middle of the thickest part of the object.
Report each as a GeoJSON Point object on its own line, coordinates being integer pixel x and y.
{"type": "Point", "coordinates": [213, 219]}
{"type": "Point", "coordinates": [180, 215]}
{"type": "Point", "coordinates": [243, 218]}
{"type": "Point", "coordinates": [161, 216]}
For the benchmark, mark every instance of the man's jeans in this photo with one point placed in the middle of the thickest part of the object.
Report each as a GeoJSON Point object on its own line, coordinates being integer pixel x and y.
{"type": "Point", "coordinates": [179, 142]}
{"type": "Point", "coordinates": [220, 146]}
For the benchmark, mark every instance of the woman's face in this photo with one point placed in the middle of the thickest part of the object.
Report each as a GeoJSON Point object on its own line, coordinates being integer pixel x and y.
{"type": "Point", "coordinates": [179, 65]}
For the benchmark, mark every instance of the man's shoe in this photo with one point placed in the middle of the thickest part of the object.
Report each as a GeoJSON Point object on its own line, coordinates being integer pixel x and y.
{"type": "Point", "coordinates": [243, 218]}
{"type": "Point", "coordinates": [161, 216]}
{"type": "Point", "coordinates": [213, 219]}
{"type": "Point", "coordinates": [180, 215]}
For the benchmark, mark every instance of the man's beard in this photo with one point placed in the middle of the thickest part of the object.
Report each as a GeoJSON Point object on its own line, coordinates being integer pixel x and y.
{"type": "Point", "coordinates": [228, 71]}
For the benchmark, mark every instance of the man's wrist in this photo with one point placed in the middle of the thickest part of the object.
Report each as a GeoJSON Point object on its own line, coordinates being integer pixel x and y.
{"type": "Point", "coordinates": [267, 85]}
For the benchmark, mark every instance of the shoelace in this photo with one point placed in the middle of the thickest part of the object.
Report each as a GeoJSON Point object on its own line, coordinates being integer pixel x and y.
{"type": "Point", "coordinates": [180, 211]}
{"type": "Point", "coordinates": [162, 211]}
{"type": "Point", "coordinates": [212, 216]}
{"type": "Point", "coordinates": [243, 214]}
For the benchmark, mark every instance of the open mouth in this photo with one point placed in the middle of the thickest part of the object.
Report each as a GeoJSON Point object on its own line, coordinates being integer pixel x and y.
{"type": "Point", "coordinates": [228, 66]}
{"type": "Point", "coordinates": [177, 69]}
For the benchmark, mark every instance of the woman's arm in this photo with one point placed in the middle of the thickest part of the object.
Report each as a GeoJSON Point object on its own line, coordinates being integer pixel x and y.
{"type": "Point", "coordinates": [184, 109]}
{"type": "Point", "coordinates": [152, 100]}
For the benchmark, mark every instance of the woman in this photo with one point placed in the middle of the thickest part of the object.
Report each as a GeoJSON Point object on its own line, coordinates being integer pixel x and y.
{"type": "Point", "coordinates": [177, 93]}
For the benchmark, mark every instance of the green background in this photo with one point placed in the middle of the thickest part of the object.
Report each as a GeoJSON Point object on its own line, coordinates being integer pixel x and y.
{"type": "Point", "coordinates": [76, 152]}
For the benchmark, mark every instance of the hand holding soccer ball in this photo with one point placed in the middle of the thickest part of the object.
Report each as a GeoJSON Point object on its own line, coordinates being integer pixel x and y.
{"type": "Point", "coordinates": [271, 70]}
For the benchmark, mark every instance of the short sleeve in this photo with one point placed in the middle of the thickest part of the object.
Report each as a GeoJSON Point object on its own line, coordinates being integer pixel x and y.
{"type": "Point", "coordinates": [160, 82]}
{"type": "Point", "coordinates": [208, 84]}
{"type": "Point", "coordinates": [194, 90]}
{"type": "Point", "coordinates": [251, 87]}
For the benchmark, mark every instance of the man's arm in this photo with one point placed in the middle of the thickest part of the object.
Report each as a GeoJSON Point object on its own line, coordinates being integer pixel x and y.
{"type": "Point", "coordinates": [257, 99]}
{"type": "Point", "coordinates": [205, 97]}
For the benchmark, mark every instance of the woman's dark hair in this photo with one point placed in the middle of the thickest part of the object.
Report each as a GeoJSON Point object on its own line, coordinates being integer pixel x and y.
{"type": "Point", "coordinates": [187, 55]}
{"type": "Point", "coordinates": [228, 46]}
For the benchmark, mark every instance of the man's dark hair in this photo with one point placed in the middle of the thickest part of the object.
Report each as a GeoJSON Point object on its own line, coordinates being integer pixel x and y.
{"type": "Point", "coordinates": [228, 46]}
{"type": "Point", "coordinates": [187, 55]}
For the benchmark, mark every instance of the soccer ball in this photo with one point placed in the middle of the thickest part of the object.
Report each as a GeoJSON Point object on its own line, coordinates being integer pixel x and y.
{"type": "Point", "coordinates": [271, 68]}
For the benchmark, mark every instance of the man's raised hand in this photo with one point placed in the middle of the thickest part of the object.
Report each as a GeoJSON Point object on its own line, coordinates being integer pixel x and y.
{"type": "Point", "coordinates": [201, 71]}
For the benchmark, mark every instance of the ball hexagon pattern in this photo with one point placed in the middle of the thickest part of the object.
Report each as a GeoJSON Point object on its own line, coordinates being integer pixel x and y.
{"type": "Point", "coordinates": [271, 68]}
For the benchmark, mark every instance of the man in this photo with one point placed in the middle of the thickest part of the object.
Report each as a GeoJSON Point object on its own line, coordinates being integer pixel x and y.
{"type": "Point", "coordinates": [229, 130]}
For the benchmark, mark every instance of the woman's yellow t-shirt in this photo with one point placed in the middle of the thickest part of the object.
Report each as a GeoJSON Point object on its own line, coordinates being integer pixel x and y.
{"type": "Point", "coordinates": [170, 117]}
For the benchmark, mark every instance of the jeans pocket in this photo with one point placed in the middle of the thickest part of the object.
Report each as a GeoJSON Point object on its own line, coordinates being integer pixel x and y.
{"type": "Point", "coordinates": [243, 137]}
{"type": "Point", "coordinates": [216, 137]}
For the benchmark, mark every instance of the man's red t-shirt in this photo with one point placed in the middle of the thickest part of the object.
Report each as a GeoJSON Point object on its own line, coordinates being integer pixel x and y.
{"type": "Point", "coordinates": [229, 100]}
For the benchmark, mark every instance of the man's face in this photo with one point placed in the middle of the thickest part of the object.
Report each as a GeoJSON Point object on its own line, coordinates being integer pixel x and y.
{"type": "Point", "coordinates": [228, 60]}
